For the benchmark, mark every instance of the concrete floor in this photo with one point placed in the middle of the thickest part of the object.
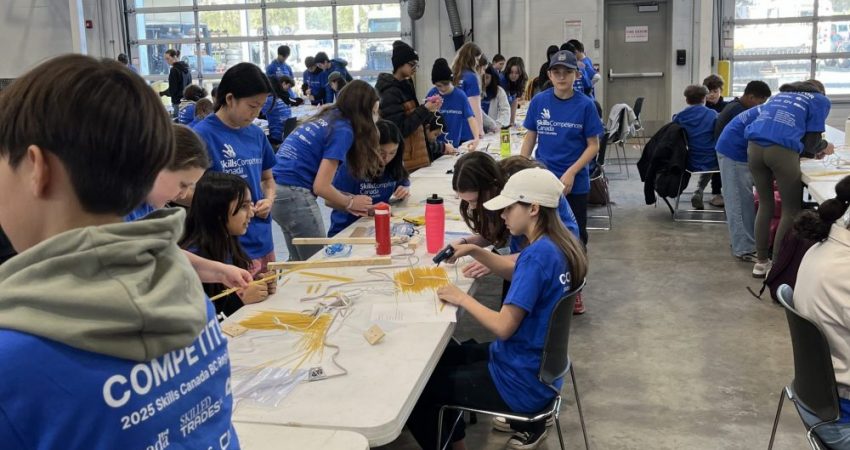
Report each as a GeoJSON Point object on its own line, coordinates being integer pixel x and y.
{"type": "Point", "coordinates": [673, 353]}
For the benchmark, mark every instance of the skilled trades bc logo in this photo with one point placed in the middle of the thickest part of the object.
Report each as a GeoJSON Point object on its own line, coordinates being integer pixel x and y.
{"type": "Point", "coordinates": [228, 151]}
{"type": "Point", "coordinates": [545, 114]}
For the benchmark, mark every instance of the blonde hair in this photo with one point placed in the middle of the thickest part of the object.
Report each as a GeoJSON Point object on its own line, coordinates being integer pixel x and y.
{"type": "Point", "coordinates": [467, 58]}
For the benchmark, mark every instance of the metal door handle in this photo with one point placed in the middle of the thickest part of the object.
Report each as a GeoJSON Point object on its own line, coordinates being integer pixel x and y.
{"type": "Point", "coordinates": [614, 76]}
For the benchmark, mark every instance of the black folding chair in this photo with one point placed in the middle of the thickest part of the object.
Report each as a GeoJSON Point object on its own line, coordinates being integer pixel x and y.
{"type": "Point", "coordinates": [554, 363]}
{"type": "Point", "coordinates": [599, 174]}
{"type": "Point", "coordinates": [703, 215]}
{"type": "Point", "coordinates": [619, 137]}
{"type": "Point", "coordinates": [814, 384]}
{"type": "Point", "coordinates": [640, 131]}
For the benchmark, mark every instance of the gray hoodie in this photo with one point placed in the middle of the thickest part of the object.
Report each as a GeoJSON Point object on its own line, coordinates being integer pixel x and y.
{"type": "Point", "coordinates": [124, 290]}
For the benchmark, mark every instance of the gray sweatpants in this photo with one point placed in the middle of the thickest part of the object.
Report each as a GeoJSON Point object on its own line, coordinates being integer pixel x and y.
{"type": "Point", "coordinates": [783, 165]}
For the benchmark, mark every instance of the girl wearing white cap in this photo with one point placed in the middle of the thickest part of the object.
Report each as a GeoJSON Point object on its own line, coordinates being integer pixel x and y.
{"type": "Point", "coordinates": [502, 375]}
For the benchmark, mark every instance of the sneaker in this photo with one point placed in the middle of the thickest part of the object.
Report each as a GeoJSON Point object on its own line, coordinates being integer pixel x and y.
{"type": "Point", "coordinates": [717, 201]}
{"type": "Point", "coordinates": [696, 200]}
{"type": "Point", "coordinates": [579, 308]}
{"type": "Point", "coordinates": [526, 440]}
{"type": "Point", "coordinates": [748, 257]}
{"type": "Point", "coordinates": [760, 269]}
{"type": "Point", "coordinates": [503, 425]}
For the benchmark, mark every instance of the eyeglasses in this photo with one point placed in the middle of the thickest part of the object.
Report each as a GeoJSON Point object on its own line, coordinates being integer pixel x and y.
{"type": "Point", "coordinates": [413, 64]}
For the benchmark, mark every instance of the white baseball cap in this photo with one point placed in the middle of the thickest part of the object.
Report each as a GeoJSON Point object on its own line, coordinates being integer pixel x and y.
{"type": "Point", "coordinates": [533, 185]}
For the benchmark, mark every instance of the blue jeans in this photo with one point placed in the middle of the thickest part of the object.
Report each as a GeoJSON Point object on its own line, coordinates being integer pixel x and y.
{"type": "Point", "coordinates": [297, 213]}
{"type": "Point", "coordinates": [835, 435]}
{"type": "Point", "coordinates": [740, 206]}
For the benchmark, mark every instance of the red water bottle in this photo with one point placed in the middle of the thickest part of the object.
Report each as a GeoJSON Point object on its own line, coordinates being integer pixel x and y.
{"type": "Point", "coordinates": [435, 223]}
{"type": "Point", "coordinates": [382, 229]}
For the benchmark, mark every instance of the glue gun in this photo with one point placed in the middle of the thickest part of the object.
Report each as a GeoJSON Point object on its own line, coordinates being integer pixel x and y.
{"type": "Point", "coordinates": [444, 254]}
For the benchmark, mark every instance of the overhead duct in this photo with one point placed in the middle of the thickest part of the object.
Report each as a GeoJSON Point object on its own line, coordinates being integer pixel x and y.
{"type": "Point", "coordinates": [415, 9]}
{"type": "Point", "coordinates": [454, 22]}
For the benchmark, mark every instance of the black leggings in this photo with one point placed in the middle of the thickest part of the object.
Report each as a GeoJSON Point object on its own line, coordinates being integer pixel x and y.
{"type": "Point", "coordinates": [578, 203]}
{"type": "Point", "coordinates": [460, 378]}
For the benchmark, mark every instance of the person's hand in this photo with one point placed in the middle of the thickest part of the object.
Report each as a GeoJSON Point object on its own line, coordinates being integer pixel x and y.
{"type": "Point", "coordinates": [360, 205]}
{"type": "Point", "coordinates": [452, 294]}
{"type": "Point", "coordinates": [568, 179]}
{"type": "Point", "coordinates": [255, 293]}
{"type": "Point", "coordinates": [230, 276]}
{"type": "Point", "coordinates": [475, 270]}
{"type": "Point", "coordinates": [271, 284]}
{"type": "Point", "coordinates": [449, 149]}
{"type": "Point", "coordinates": [401, 192]}
{"type": "Point", "coordinates": [829, 150]}
{"type": "Point", "coordinates": [263, 208]}
{"type": "Point", "coordinates": [434, 105]}
{"type": "Point", "coordinates": [461, 250]}
{"type": "Point", "coordinates": [471, 146]}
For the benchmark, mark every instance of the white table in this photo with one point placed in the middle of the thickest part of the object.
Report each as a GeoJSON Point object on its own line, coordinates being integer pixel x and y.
{"type": "Point", "coordinates": [385, 380]}
{"type": "Point", "coordinates": [253, 436]}
{"type": "Point", "coordinates": [822, 176]}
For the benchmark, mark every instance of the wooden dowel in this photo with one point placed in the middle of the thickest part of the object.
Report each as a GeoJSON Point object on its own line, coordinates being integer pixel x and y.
{"type": "Point", "coordinates": [336, 262]}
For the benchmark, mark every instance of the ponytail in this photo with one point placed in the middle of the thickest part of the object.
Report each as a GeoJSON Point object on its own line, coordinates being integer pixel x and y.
{"type": "Point", "coordinates": [815, 225]}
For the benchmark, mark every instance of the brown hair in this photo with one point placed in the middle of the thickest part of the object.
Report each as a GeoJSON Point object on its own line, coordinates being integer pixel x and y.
{"type": "Point", "coordinates": [514, 164]}
{"type": "Point", "coordinates": [190, 152]}
{"type": "Point", "coordinates": [713, 82]}
{"type": "Point", "coordinates": [549, 224]}
{"type": "Point", "coordinates": [173, 53]}
{"type": "Point", "coordinates": [194, 92]}
{"type": "Point", "coordinates": [695, 95]}
{"type": "Point", "coordinates": [467, 58]}
{"type": "Point", "coordinates": [203, 108]}
{"type": "Point", "coordinates": [355, 102]}
{"type": "Point", "coordinates": [67, 107]}
{"type": "Point", "coordinates": [478, 172]}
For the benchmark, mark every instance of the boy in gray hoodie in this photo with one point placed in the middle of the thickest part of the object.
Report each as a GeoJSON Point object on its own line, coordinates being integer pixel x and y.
{"type": "Point", "coordinates": [106, 337]}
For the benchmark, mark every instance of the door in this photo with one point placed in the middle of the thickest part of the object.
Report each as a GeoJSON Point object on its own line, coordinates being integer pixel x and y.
{"type": "Point", "coordinates": [636, 59]}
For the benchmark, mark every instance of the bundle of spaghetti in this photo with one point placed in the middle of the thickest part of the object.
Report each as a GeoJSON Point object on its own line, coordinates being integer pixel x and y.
{"type": "Point", "coordinates": [419, 279]}
{"type": "Point", "coordinates": [313, 329]}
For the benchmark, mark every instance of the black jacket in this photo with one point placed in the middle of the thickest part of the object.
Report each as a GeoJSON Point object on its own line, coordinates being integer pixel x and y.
{"type": "Point", "coordinates": [394, 94]}
{"type": "Point", "coordinates": [178, 78]}
{"type": "Point", "coordinates": [663, 162]}
{"type": "Point", "coordinates": [6, 250]}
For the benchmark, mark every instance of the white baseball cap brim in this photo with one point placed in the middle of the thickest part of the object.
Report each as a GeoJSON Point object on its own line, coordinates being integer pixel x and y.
{"type": "Point", "coordinates": [529, 186]}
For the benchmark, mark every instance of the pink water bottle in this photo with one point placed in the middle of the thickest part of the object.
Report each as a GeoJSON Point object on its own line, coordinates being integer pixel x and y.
{"type": "Point", "coordinates": [435, 223]}
{"type": "Point", "coordinates": [382, 229]}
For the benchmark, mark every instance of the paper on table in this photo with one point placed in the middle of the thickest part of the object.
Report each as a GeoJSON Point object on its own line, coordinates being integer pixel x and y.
{"type": "Point", "coordinates": [413, 312]}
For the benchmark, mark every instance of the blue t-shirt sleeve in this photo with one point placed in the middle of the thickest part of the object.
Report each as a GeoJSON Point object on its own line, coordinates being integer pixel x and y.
{"type": "Point", "coordinates": [527, 284]}
{"type": "Point", "coordinates": [592, 123]}
{"type": "Point", "coordinates": [470, 84]}
{"type": "Point", "coordinates": [8, 434]}
{"type": "Point", "coordinates": [268, 154]}
{"type": "Point", "coordinates": [467, 108]}
{"type": "Point", "coordinates": [816, 118]}
{"type": "Point", "coordinates": [431, 92]}
{"type": "Point", "coordinates": [338, 143]}
{"type": "Point", "coordinates": [530, 122]}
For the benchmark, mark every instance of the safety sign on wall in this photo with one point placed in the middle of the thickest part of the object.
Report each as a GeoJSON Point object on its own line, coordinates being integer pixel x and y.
{"type": "Point", "coordinates": [637, 34]}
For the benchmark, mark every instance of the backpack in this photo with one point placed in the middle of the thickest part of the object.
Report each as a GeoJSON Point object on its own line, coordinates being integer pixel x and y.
{"type": "Point", "coordinates": [784, 270]}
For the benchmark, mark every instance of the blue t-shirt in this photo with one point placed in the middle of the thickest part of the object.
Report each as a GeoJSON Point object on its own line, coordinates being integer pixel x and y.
{"type": "Point", "coordinates": [563, 127]}
{"type": "Point", "coordinates": [277, 69]}
{"type": "Point", "coordinates": [143, 210]}
{"type": "Point", "coordinates": [245, 152]}
{"type": "Point", "coordinates": [299, 157]}
{"type": "Point", "coordinates": [540, 279]}
{"type": "Point", "coordinates": [57, 396]}
{"type": "Point", "coordinates": [787, 117]}
{"type": "Point", "coordinates": [567, 218]}
{"type": "Point", "coordinates": [732, 143]}
{"type": "Point", "coordinates": [456, 113]}
{"type": "Point", "coordinates": [276, 112]}
{"type": "Point", "coordinates": [698, 122]}
{"type": "Point", "coordinates": [469, 84]}
{"type": "Point", "coordinates": [503, 81]}
{"type": "Point", "coordinates": [195, 122]}
{"type": "Point", "coordinates": [380, 191]}
{"type": "Point", "coordinates": [317, 84]}
{"type": "Point", "coordinates": [186, 114]}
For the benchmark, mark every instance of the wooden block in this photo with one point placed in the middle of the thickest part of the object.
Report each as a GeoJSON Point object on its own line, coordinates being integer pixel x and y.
{"type": "Point", "coordinates": [374, 334]}
{"type": "Point", "coordinates": [233, 329]}
{"type": "Point", "coordinates": [335, 240]}
{"type": "Point", "coordinates": [334, 262]}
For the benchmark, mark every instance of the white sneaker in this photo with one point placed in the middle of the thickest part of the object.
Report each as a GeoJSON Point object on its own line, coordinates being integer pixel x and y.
{"type": "Point", "coordinates": [760, 269]}
{"type": "Point", "coordinates": [501, 424]}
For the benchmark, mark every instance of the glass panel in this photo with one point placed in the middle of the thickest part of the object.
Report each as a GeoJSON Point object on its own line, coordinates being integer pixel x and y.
{"type": "Point", "coordinates": [225, 2]}
{"type": "Point", "coordinates": [371, 79]}
{"type": "Point", "coordinates": [774, 73]}
{"type": "Point", "coordinates": [834, 74]}
{"type": "Point", "coordinates": [833, 8]}
{"type": "Point", "coordinates": [769, 9]}
{"type": "Point", "coordinates": [232, 23]}
{"type": "Point", "coordinates": [369, 18]}
{"type": "Point", "coordinates": [774, 39]}
{"type": "Point", "coordinates": [367, 54]}
{"type": "Point", "coordinates": [833, 37]}
{"type": "Point", "coordinates": [159, 3]}
{"type": "Point", "coordinates": [310, 20]}
{"type": "Point", "coordinates": [226, 55]}
{"type": "Point", "coordinates": [149, 59]}
{"type": "Point", "coordinates": [165, 26]}
{"type": "Point", "coordinates": [300, 50]}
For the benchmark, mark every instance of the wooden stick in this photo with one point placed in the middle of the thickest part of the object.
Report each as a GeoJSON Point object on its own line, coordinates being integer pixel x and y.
{"type": "Point", "coordinates": [227, 292]}
{"type": "Point", "coordinates": [336, 262]}
{"type": "Point", "coordinates": [342, 240]}
{"type": "Point", "coordinates": [326, 277]}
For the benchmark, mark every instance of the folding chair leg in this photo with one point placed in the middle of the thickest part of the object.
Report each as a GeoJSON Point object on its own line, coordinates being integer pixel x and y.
{"type": "Point", "coordinates": [560, 435]}
{"type": "Point", "coordinates": [776, 419]}
{"type": "Point", "coordinates": [578, 405]}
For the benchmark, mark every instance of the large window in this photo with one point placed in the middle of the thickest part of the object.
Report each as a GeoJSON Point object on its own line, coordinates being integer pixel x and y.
{"type": "Point", "coordinates": [780, 41]}
{"type": "Point", "coordinates": [213, 35]}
